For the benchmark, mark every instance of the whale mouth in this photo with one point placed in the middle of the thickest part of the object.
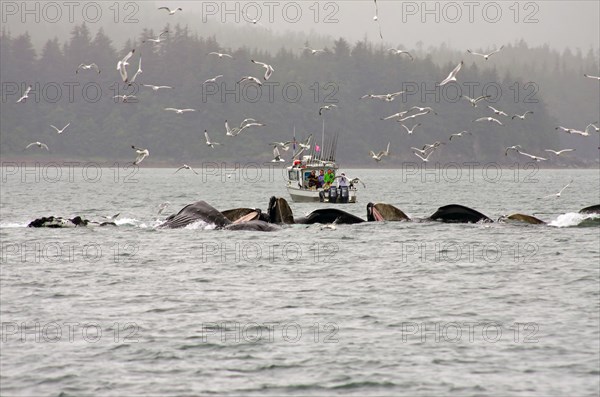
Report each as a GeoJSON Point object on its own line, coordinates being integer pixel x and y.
{"type": "Point", "coordinates": [377, 215]}
{"type": "Point", "coordinates": [252, 216]}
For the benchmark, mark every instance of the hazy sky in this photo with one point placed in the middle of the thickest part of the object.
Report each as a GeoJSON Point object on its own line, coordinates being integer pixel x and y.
{"type": "Point", "coordinates": [460, 24]}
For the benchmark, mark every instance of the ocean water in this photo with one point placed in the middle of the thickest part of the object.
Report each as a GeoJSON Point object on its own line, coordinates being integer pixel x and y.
{"type": "Point", "coordinates": [411, 308]}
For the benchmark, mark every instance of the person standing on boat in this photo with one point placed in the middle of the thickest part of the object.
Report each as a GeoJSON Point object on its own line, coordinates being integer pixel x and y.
{"type": "Point", "coordinates": [321, 179]}
{"type": "Point", "coordinates": [329, 177]}
{"type": "Point", "coordinates": [343, 181]}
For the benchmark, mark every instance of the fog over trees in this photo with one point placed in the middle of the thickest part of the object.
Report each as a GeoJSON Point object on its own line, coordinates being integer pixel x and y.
{"type": "Point", "coordinates": [519, 79]}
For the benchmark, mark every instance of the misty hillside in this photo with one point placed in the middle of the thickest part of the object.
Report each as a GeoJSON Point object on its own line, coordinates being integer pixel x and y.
{"type": "Point", "coordinates": [519, 79]}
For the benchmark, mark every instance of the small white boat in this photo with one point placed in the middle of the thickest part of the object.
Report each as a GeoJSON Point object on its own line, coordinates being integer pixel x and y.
{"type": "Point", "coordinates": [298, 175]}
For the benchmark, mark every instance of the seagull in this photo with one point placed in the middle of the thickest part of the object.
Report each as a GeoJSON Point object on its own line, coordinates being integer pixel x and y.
{"type": "Point", "coordinates": [125, 98]}
{"type": "Point", "coordinates": [536, 158]}
{"type": "Point", "coordinates": [180, 111]}
{"type": "Point", "coordinates": [248, 125]}
{"type": "Point", "coordinates": [452, 75]}
{"type": "Point", "coordinates": [87, 67]}
{"type": "Point", "coordinates": [156, 87]}
{"type": "Point", "coordinates": [60, 131]}
{"type": "Point", "coordinates": [141, 154]}
{"type": "Point", "coordinates": [169, 10]}
{"type": "Point", "coordinates": [229, 131]}
{"type": "Point", "coordinates": [137, 73]}
{"type": "Point", "coordinates": [220, 54]}
{"type": "Point", "coordinates": [25, 95]}
{"type": "Point", "coordinates": [557, 195]}
{"type": "Point", "coordinates": [379, 156]}
{"type": "Point", "coordinates": [573, 131]}
{"type": "Point", "coordinates": [111, 217]}
{"type": "Point", "coordinates": [498, 112]}
{"type": "Point", "coordinates": [186, 167]}
{"type": "Point", "coordinates": [411, 117]}
{"type": "Point", "coordinates": [250, 78]}
{"type": "Point", "coordinates": [425, 109]}
{"type": "Point", "coordinates": [326, 107]}
{"type": "Point", "coordinates": [424, 151]}
{"type": "Point", "coordinates": [213, 80]}
{"type": "Point", "coordinates": [426, 158]}
{"type": "Point", "coordinates": [593, 125]}
{"type": "Point", "coordinates": [268, 68]}
{"type": "Point", "coordinates": [306, 143]}
{"type": "Point", "coordinates": [411, 130]}
{"type": "Point", "coordinates": [208, 142]}
{"type": "Point", "coordinates": [400, 52]}
{"type": "Point", "coordinates": [38, 144]}
{"type": "Point", "coordinates": [592, 77]}
{"type": "Point", "coordinates": [460, 134]}
{"type": "Point", "coordinates": [121, 65]}
{"type": "Point", "coordinates": [353, 180]}
{"type": "Point", "coordinates": [522, 117]}
{"type": "Point", "coordinates": [158, 39]}
{"type": "Point", "coordinates": [490, 119]}
{"type": "Point", "coordinates": [285, 146]}
{"type": "Point", "coordinates": [313, 52]}
{"type": "Point", "coordinates": [475, 100]}
{"type": "Point", "coordinates": [398, 115]}
{"type": "Point", "coordinates": [163, 206]}
{"type": "Point", "coordinates": [558, 153]}
{"type": "Point", "coordinates": [486, 56]}
{"type": "Point", "coordinates": [516, 147]}
{"type": "Point", "coordinates": [385, 97]}
{"type": "Point", "coordinates": [376, 19]}
{"type": "Point", "coordinates": [276, 156]}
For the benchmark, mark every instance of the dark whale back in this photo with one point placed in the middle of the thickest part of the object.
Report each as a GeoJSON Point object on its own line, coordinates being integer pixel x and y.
{"type": "Point", "coordinates": [458, 214]}
{"type": "Point", "coordinates": [191, 213]}
{"type": "Point", "coordinates": [329, 215]}
{"type": "Point", "coordinates": [594, 209]}
{"type": "Point", "coordinates": [385, 212]}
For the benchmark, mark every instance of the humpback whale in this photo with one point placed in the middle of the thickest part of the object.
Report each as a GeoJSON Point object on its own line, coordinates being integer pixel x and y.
{"type": "Point", "coordinates": [202, 211]}
{"type": "Point", "coordinates": [384, 212]}
{"type": "Point", "coordinates": [58, 222]}
{"type": "Point", "coordinates": [594, 209]}
{"type": "Point", "coordinates": [522, 218]}
{"type": "Point", "coordinates": [244, 215]}
{"type": "Point", "coordinates": [458, 214]}
{"type": "Point", "coordinates": [280, 212]}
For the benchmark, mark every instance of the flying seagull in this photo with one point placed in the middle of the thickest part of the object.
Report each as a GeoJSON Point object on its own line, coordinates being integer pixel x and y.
{"type": "Point", "coordinates": [180, 111]}
{"type": "Point", "coordinates": [498, 112]}
{"type": "Point", "coordinates": [460, 134]}
{"type": "Point", "coordinates": [592, 77]}
{"type": "Point", "coordinates": [398, 115]}
{"type": "Point", "coordinates": [312, 51]}
{"type": "Point", "coordinates": [490, 119]}
{"type": "Point", "coordinates": [306, 144]}
{"type": "Point", "coordinates": [186, 167]}
{"type": "Point", "coordinates": [156, 87]}
{"type": "Point", "coordinates": [385, 97]}
{"type": "Point", "coordinates": [285, 146]}
{"type": "Point", "coordinates": [208, 142]}
{"type": "Point", "coordinates": [412, 116]}
{"type": "Point", "coordinates": [158, 39]}
{"type": "Point", "coordinates": [425, 109]}
{"type": "Point", "coordinates": [62, 130]}
{"type": "Point", "coordinates": [531, 156]}
{"type": "Point", "coordinates": [171, 12]}
{"type": "Point", "coordinates": [213, 80]}
{"type": "Point", "coordinates": [248, 125]}
{"type": "Point", "coordinates": [559, 152]}
{"type": "Point", "coordinates": [163, 206]}
{"type": "Point", "coordinates": [557, 195]}
{"type": "Point", "coordinates": [231, 131]}
{"type": "Point", "coordinates": [124, 98]}
{"type": "Point", "coordinates": [268, 68]}
{"type": "Point", "coordinates": [376, 19]}
{"type": "Point", "coordinates": [486, 56]}
{"type": "Point", "coordinates": [593, 125]}
{"type": "Point", "coordinates": [137, 73]}
{"type": "Point", "coordinates": [220, 54]}
{"type": "Point", "coordinates": [87, 67]}
{"type": "Point", "coordinates": [400, 52]}
{"type": "Point", "coordinates": [25, 96]}
{"type": "Point", "coordinates": [38, 144]}
{"type": "Point", "coordinates": [516, 147]}
{"type": "Point", "coordinates": [379, 156]}
{"type": "Point", "coordinates": [452, 75]}
{"type": "Point", "coordinates": [276, 156]}
{"type": "Point", "coordinates": [426, 158]}
{"type": "Point", "coordinates": [250, 78]}
{"type": "Point", "coordinates": [121, 65]}
{"type": "Point", "coordinates": [326, 107]}
{"type": "Point", "coordinates": [475, 100]}
{"type": "Point", "coordinates": [411, 130]}
{"type": "Point", "coordinates": [572, 131]}
{"type": "Point", "coordinates": [141, 154]}
{"type": "Point", "coordinates": [522, 117]}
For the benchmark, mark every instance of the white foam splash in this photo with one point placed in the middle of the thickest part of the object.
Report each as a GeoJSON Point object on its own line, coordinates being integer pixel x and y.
{"type": "Point", "coordinates": [201, 225]}
{"type": "Point", "coordinates": [572, 219]}
{"type": "Point", "coordinates": [10, 225]}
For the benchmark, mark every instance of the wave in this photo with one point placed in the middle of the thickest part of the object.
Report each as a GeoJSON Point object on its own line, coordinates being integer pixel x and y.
{"type": "Point", "coordinates": [575, 219]}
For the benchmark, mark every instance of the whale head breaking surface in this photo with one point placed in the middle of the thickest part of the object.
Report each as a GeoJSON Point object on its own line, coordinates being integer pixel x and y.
{"type": "Point", "coordinates": [455, 213]}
